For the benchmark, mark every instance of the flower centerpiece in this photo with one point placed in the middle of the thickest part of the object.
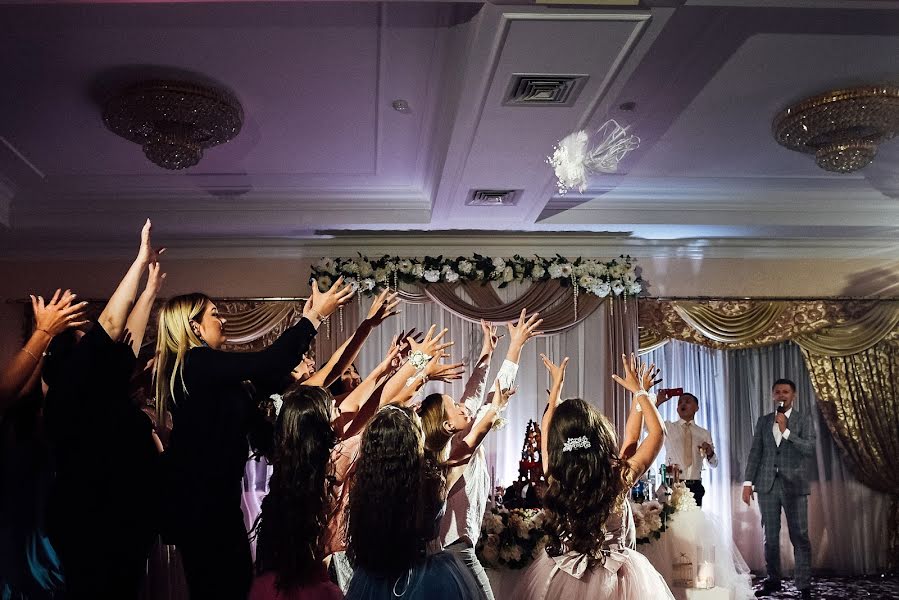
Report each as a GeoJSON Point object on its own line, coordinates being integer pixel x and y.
{"type": "Point", "coordinates": [615, 277]}
{"type": "Point", "coordinates": [651, 517]}
{"type": "Point", "coordinates": [511, 538]}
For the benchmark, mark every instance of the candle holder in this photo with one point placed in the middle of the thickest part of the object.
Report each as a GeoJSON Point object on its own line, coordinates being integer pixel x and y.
{"type": "Point", "coordinates": [705, 567]}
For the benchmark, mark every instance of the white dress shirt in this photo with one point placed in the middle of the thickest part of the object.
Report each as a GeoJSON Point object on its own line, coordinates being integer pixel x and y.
{"type": "Point", "coordinates": [674, 448]}
{"type": "Point", "coordinates": [468, 498]}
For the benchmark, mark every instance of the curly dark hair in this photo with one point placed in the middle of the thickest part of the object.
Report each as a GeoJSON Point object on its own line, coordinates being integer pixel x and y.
{"type": "Point", "coordinates": [295, 511]}
{"type": "Point", "coordinates": [586, 485]}
{"type": "Point", "coordinates": [395, 495]}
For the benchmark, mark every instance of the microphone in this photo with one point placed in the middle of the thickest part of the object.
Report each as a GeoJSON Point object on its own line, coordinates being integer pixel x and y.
{"type": "Point", "coordinates": [780, 406]}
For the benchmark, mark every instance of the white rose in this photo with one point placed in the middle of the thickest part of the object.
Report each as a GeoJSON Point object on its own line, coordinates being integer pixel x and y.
{"type": "Point", "coordinates": [451, 276]}
{"type": "Point", "coordinates": [499, 263]}
{"type": "Point", "coordinates": [432, 275]}
{"type": "Point", "coordinates": [586, 281]}
{"type": "Point", "coordinates": [405, 266]}
{"type": "Point", "coordinates": [555, 270]}
{"type": "Point", "coordinates": [508, 274]}
{"type": "Point", "coordinates": [465, 266]}
{"type": "Point", "coordinates": [538, 271]}
{"type": "Point", "coordinates": [565, 269]}
{"type": "Point", "coordinates": [636, 288]}
{"type": "Point", "coordinates": [602, 290]}
{"type": "Point", "coordinates": [617, 288]}
{"type": "Point", "coordinates": [652, 507]}
{"type": "Point", "coordinates": [367, 284]}
{"type": "Point", "coordinates": [418, 270]}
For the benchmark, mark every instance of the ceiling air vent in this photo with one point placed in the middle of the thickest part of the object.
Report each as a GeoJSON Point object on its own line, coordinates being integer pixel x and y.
{"type": "Point", "coordinates": [492, 198]}
{"type": "Point", "coordinates": [544, 90]}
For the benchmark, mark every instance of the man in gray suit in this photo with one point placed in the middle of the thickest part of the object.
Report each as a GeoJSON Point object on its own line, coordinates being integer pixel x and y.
{"type": "Point", "coordinates": [778, 467]}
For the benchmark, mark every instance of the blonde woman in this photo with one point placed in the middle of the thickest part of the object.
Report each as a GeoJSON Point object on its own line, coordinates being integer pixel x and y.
{"type": "Point", "coordinates": [213, 416]}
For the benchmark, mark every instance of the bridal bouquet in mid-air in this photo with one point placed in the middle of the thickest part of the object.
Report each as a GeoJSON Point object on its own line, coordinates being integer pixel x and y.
{"type": "Point", "coordinates": [580, 154]}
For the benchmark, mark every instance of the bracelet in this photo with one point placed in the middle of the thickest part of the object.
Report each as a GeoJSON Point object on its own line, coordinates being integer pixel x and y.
{"type": "Point", "coordinates": [420, 375]}
{"type": "Point", "coordinates": [49, 335]}
{"type": "Point", "coordinates": [649, 396]}
{"type": "Point", "coordinates": [32, 355]}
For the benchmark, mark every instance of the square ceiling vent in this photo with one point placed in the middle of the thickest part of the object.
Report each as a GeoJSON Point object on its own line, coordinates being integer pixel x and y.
{"type": "Point", "coordinates": [492, 198]}
{"type": "Point", "coordinates": [544, 90]}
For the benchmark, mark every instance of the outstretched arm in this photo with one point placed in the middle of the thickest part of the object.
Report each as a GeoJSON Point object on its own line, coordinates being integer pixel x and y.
{"type": "Point", "coordinates": [639, 377]}
{"type": "Point", "coordinates": [115, 314]}
{"type": "Point", "coordinates": [557, 373]}
{"type": "Point", "coordinates": [634, 425]}
{"type": "Point", "coordinates": [50, 319]}
{"type": "Point", "coordinates": [383, 307]}
{"type": "Point", "coordinates": [140, 314]}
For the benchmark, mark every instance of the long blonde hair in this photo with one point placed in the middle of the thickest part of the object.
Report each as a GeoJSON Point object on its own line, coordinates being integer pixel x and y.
{"type": "Point", "coordinates": [433, 415]}
{"type": "Point", "coordinates": [174, 338]}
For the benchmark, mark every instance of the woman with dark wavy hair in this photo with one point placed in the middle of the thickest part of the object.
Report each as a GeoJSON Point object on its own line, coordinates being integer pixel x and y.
{"type": "Point", "coordinates": [591, 551]}
{"type": "Point", "coordinates": [295, 511]}
{"type": "Point", "coordinates": [394, 515]}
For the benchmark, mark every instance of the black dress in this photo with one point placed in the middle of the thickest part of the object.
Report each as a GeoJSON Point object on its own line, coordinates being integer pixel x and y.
{"type": "Point", "coordinates": [106, 471]}
{"type": "Point", "coordinates": [205, 460]}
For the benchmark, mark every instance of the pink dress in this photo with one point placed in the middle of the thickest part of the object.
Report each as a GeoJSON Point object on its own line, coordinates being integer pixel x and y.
{"type": "Point", "coordinates": [624, 574]}
{"type": "Point", "coordinates": [264, 589]}
{"type": "Point", "coordinates": [344, 455]}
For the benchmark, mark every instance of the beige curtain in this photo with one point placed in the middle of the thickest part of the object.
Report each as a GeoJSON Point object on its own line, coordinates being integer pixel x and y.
{"type": "Point", "coordinates": [554, 302]}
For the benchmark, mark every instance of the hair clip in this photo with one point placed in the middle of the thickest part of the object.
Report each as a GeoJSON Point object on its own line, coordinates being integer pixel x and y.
{"type": "Point", "coordinates": [575, 443]}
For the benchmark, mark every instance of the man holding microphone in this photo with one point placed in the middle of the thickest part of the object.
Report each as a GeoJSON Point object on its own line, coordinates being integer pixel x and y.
{"type": "Point", "coordinates": [778, 468]}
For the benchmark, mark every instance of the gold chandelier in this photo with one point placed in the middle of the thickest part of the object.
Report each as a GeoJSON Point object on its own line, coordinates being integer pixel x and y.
{"type": "Point", "coordinates": [842, 128]}
{"type": "Point", "coordinates": [174, 121]}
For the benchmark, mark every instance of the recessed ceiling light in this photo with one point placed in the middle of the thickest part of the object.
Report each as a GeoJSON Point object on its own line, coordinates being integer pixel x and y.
{"type": "Point", "coordinates": [400, 105]}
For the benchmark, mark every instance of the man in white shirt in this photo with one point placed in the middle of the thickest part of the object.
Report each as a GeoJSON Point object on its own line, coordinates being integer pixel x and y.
{"type": "Point", "coordinates": [687, 444]}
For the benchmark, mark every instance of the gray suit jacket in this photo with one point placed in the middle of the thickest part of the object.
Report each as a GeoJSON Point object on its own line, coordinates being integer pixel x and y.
{"type": "Point", "coordinates": [790, 459]}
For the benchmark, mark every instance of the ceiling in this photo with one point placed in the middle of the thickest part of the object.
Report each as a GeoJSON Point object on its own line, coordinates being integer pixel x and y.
{"type": "Point", "coordinates": [323, 156]}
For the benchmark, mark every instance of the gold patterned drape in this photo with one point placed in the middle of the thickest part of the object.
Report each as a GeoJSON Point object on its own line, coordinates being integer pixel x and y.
{"type": "Point", "coordinates": [852, 352]}
{"type": "Point", "coordinates": [858, 395]}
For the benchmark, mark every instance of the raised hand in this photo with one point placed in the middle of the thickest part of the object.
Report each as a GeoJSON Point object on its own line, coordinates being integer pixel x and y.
{"type": "Point", "coordinates": [556, 372]}
{"type": "Point", "coordinates": [325, 303]}
{"type": "Point", "coordinates": [155, 277]}
{"type": "Point", "coordinates": [525, 329]}
{"type": "Point", "coordinates": [637, 375]}
{"type": "Point", "coordinates": [147, 254]}
{"type": "Point", "coordinates": [501, 397]}
{"type": "Point", "coordinates": [387, 364]}
{"type": "Point", "coordinates": [382, 308]}
{"type": "Point", "coordinates": [431, 344]}
{"type": "Point", "coordinates": [446, 372]}
{"type": "Point", "coordinates": [59, 314]}
{"type": "Point", "coordinates": [490, 338]}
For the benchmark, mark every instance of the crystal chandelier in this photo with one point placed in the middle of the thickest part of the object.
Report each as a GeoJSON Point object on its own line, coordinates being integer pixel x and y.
{"type": "Point", "coordinates": [842, 128]}
{"type": "Point", "coordinates": [174, 121]}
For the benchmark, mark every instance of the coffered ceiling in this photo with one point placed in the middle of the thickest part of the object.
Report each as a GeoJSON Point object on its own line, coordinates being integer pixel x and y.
{"type": "Point", "coordinates": [322, 152]}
